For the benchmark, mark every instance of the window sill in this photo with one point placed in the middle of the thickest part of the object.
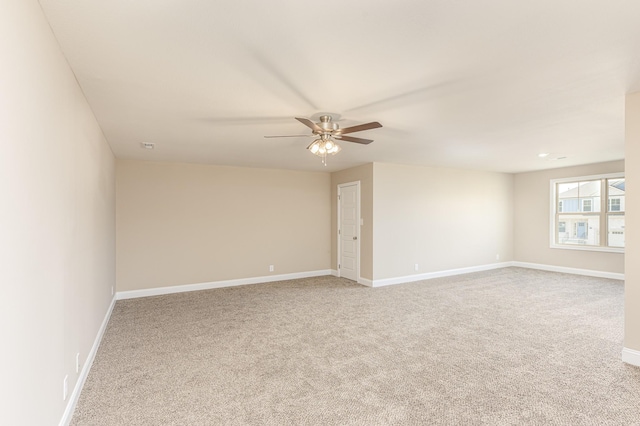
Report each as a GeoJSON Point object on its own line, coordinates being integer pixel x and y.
{"type": "Point", "coordinates": [588, 248]}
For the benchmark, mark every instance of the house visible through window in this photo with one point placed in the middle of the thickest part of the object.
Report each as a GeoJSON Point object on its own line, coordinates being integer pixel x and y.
{"type": "Point", "coordinates": [588, 212]}
{"type": "Point", "coordinates": [614, 204]}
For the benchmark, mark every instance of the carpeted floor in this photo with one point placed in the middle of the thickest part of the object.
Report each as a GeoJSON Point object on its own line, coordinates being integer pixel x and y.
{"type": "Point", "coordinates": [505, 347]}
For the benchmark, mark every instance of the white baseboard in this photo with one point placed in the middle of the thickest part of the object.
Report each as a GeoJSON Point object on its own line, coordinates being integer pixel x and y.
{"type": "Point", "coordinates": [438, 274]}
{"type": "Point", "coordinates": [631, 356]}
{"type": "Point", "coordinates": [566, 270]}
{"type": "Point", "coordinates": [73, 400]}
{"type": "Point", "coordinates": [365, 281]}
{"type": "Point", "coordinates": [451, 272]}
{"type": "Point", "coordinates": [121, 295]}
{"type": "Point", "coordinates": [132, 294]}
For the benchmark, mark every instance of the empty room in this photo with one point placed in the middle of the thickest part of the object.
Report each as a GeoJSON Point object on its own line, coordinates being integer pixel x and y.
{"type": "Point", "coordinates": [302, 213]}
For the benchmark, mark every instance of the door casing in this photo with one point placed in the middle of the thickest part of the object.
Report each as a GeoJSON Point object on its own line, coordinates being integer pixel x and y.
{"type": "Point", "coordinates": [340, 224]}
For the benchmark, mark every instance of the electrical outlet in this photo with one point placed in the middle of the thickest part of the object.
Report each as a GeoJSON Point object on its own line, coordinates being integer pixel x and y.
{"type": "Point", "coordinates": [271, 268]}
{"type": "Point", "coordinates": [416, 267]}
{"type": "Point", "coordinates": [78, 362]}
{"type": "Point", "coordinates": [112, 290]}
{"type": "Point", "coordinates": [65, 388]}
{"type": "Point", "coordinates": [497, 257]}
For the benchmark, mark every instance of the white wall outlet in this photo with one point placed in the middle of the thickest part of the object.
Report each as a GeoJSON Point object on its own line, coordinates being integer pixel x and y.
{"type": "Point", "coordinates": [78, 362]}
{"type": "Point", "coordinates": [65, 388]}
{"type": "Point", "coordinates": [271, 268]}
{"type": "Point", "coordinates": [497, 257]}
{"type": "Point", "coordinates": [112, 291]}
{"type": "Point", "coordinates": [416, 267]}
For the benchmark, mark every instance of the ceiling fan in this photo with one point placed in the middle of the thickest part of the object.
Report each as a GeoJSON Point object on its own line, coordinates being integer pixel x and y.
{"type": "Point", "coordinates": [328, 130]}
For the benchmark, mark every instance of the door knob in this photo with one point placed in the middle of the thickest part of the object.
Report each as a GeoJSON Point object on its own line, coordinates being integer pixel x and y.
{"type": "Point", "coordinates": [355, 238]}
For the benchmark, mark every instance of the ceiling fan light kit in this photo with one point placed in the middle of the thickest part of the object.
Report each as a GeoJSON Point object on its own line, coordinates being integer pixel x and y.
{"type": "Point", "coordinates": [329, 131]}
{"type": "Point", "coordinates": [323, 147]}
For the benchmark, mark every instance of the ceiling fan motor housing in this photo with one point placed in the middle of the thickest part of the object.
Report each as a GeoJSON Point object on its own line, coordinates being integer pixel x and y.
{"type": "Point", "coordinates": [327, 125]}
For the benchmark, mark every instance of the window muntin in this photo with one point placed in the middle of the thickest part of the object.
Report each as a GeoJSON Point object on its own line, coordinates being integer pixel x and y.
{"type": "Point", "coordinates": [588, 213]}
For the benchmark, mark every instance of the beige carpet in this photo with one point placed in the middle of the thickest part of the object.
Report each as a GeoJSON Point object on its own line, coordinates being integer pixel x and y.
{"type": "Point", "coordinates": [510, 346]}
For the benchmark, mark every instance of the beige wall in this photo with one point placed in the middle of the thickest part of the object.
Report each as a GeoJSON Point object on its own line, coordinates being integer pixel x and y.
{"type": "Point", "coordinates": [363, 174]}
{"type": "Point", "coordinates": [57, 220]}
{"type": "Point", "coordinates": [632, 249]}
{"type": "Point", "coordinates": [189, 223]}
{"type": "Point", "coordinates": [532, 221]}
{"type": "Point", "coordinates": [441, 219]}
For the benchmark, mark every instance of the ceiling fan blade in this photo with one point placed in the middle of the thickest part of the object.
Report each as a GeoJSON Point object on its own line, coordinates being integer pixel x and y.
{"type": "Point", "coordinates": [288, 136]}
{"type": "Point", "coordinates": [352, 139]}
{"type": "Point", "coordinates": [310, 124]}
{"type": "Point", "coordinates": [359, 128]}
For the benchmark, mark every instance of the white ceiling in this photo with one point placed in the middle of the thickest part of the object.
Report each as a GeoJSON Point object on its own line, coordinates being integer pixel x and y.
{"type": "Point", "coordinates": [479, 84]}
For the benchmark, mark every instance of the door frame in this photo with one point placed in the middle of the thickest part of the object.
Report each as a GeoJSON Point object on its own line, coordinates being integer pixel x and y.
{"type": "Point", "coordinates": [339, 223]}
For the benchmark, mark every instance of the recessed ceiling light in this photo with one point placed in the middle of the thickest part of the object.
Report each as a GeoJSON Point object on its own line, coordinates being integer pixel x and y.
{"type": "Point", "coordinates": [543, 154]}
{"type": "Point", "coordinates": [148, 145]}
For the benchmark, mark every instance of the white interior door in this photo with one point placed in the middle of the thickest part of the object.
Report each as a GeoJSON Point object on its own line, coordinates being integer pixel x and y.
{"type": "Point", "coordinates": [349, 230]}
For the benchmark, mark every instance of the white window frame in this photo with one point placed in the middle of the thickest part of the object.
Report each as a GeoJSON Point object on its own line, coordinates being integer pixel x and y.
{"type": "Point", "coordinates": [603, 214]}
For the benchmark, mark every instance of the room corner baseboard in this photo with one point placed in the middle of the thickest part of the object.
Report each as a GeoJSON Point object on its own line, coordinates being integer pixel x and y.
{"type": "Point", "coordinates": [438, 274]}
{"type": "Point", "coordinates": [75, 395]}
{"type": "Point", "coordinates": [158, 291]}
{"type": "Point", "coordinates": [631, 356]}
{"type": "Point", "coordinates": [365, 281]}
{"type": "Point", "coordinates": [360, 280]}
{"type": "Point", "coordinates": [567, 270]}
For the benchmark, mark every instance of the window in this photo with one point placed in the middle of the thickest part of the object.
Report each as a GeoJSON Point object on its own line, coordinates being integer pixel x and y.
{"type": "Point", "coordinates": [614, 204]}
{"type": "Point", "coordinates": [587, 213]}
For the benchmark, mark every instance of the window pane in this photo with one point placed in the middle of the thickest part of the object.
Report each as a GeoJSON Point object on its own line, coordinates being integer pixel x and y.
{"type": "Point", "coordinates": [568, 200]}
{"type": "Point", "coordinates": [568, 190]}
{"type": "Point", "coordinates": [589, 193]}
{"type": "Point", "coordinates": [616, 195]}
{"type": "Point", "coordinates": [570, 205]}
{"type": "Point", "coordinates": [615, 231]}
{"type": "Point", "coordinates": [595, 204]}
{"type": "Point", "coordinates": [577, 197]}
{"type": "Point", "coordinates": [578, 230]}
